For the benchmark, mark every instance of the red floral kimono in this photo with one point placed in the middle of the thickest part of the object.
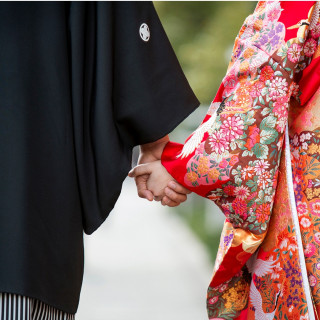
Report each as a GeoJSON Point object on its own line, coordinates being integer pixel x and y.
{"type": "Point", "coordinates": [257, 156]}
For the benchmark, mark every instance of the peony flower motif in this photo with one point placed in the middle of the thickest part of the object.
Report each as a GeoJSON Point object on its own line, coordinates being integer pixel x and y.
{"type": "Point", "coordinates": [312, 280]}
{"type": "Point", "coordinates": [310, 47]}
{"type": "Point", "coordinates": [253, 137]}
{"type": "Point", "coordinates": [278, 87]}
{"type": "Point", "coordinates": [241, 192]}
{"type": "Point", "coordinates": [315, 208]}
{"type": "Point", "coordinates": [256, 89]}
{"type": "Point", "coordinates": [294, 52]}
{"type": "Point", "coordinates": [223, 163]}
{"type": "Point", "coordinates": [264, 180]}
{"type": "Point", "coordinates": [315, 32]}
{"type": "Point", "coordinates": [305, 222]}
{"type": "Point", "coordinates": [232, 128]}
{"type": "Point", "coordinates": [218, 142]}
{"type": "Point", "coordinates": [310, 250]}
{"type": "Point", "coordinates": [302, 209]}
{"type": "Point", "coordinates": [247, 172]}
{"type": "Point", "coordinates": [317, 239]}
{"type": "Point", "coordinates": [261, 166]}
{"type": "Point", "coordinates": [267, 73]}
{"type": "Point", "coordinates": [239, 206]}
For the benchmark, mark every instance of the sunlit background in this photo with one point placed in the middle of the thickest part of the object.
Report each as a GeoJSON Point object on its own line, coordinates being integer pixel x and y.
{"type": "Point", "coordinates": [147, 261]}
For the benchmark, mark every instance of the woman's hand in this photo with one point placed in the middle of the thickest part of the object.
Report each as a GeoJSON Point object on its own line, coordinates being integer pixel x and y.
{"type": "Point", "coordinates": [158, 181]}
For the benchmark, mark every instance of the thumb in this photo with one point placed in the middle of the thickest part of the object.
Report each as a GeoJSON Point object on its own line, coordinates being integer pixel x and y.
{"type": "Point", "coordinates": [140, 170]}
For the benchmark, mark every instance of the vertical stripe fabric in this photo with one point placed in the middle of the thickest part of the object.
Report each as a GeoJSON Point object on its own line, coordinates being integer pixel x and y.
{"type": "Point", "coordinates": [16, 307]}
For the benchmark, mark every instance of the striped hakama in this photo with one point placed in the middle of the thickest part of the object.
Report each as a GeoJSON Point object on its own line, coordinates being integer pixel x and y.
{"type": "Point", "coordinates": [16, 307]}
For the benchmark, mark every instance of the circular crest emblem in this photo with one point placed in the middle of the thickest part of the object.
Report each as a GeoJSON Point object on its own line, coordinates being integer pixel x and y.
{"type": "Point", "coordinates": [144, 32]}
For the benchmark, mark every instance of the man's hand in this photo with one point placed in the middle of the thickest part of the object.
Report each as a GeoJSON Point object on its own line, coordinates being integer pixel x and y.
{"type": "Point", "coordinates": [154, 178]}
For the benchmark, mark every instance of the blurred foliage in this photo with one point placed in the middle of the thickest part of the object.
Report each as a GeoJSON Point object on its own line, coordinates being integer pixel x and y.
{"type": "Point", "coordinates": [202, 35]}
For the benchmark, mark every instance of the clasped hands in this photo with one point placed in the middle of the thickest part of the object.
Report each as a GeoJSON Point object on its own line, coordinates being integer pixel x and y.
{"type": "Point", "coordinates": [152, 180]}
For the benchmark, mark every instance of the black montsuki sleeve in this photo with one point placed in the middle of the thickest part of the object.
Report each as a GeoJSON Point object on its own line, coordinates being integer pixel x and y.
{"type": "Point", "coordinates": [151, 95]}
{"type": "Point", "coordinates": [125, 92]}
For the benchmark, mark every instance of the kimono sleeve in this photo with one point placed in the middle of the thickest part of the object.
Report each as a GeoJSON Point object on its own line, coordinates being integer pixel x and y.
{"type": "Point", "coordinates": [233, 157]}
{"type": "Point", "coordinates": [151, 95]}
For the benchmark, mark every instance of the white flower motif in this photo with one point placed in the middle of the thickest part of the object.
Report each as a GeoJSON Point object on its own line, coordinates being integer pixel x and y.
{"type": "Point", "coordinates": [261, 166]}
{"type": "Point", "coordinates": [296, 153]}
{"type": "Point", "coordinates": [304, 146]}
{"type": "Point", "coordinates": [278, 87]}
{"type": "Point", "coordinates": [302, 137]}
{"type": "Point", "coordinates": [295, 140]}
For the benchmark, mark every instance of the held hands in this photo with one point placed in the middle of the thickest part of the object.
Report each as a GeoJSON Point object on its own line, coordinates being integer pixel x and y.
{"type": "Point", "coordinates": [152, 179]}
{"type": "Point", "coordinates": [159, 183]}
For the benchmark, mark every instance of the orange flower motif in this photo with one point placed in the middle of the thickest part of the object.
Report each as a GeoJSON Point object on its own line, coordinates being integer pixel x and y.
{"type": "Point", "coordinates": [214, 174]}
{"type": "Point", "coordinates": [244, 87]}
{"type": "Point", "coordinates": [248, 53]}
{"type": "Point", "coordinates": [203, 165]}
{"type": "Point", "coordinates": [263, 212]}
{"type": "Point", "coordinates": [244, 101]}
{"type": "Point", "coordinates": [192, 176]}
{"type": "Point", "coordinates": [244, 66]}
{"type": "Point", "coordinates": [258, 24]}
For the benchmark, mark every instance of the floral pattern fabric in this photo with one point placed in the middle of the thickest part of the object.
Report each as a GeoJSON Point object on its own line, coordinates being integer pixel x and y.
{"type": "Point", "coordinates": [236, 159]}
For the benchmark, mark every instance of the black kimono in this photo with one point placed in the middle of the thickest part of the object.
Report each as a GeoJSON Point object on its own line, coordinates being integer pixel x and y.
{"type": "Point", "coordinates": [80, 85]}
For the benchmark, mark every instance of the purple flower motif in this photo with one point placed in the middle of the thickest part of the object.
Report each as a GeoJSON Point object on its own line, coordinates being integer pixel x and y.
{"type": "Point", "coordinates": [275, 40]}
{"type": "Point", "coordinates": [237, 53]}
{"type": "Point", "coordinates": [227, 239]}
{"type": "Point", "coordinates": [263, 40]}
{"type": "Point", "coordinates": [279, 28]}
{"type": "Point", "coordinates": [271, 33]}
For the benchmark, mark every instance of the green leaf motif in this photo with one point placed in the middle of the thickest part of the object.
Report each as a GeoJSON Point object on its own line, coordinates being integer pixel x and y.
{"type": "Point", "coordinates": [278, 73]}
{"type": "Point", "coordinates": [268, 122]}
{"type": "Point", "coordinates": [268, 136]}
{"type": "Point", "coordinates": [261, 151]}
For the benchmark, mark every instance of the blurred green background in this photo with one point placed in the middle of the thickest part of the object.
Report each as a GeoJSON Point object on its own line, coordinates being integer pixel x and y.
{"type": "Point", "coordinates": [202, 35]}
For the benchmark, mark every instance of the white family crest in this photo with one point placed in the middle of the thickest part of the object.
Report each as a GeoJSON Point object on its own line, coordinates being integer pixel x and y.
{"type": "Point", "coordinates": [144, 32]}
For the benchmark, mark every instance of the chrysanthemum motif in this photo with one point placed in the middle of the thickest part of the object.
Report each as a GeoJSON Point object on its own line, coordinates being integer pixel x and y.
{"type": "Point", "coordinates": [232, 128]}
{"type": "Point", "coordinates": [261, 166]}
{"type": "Point", "coordinates": [218, 142]}
{"type": "Point", "coordinates": [310, 47]}
{"type": "Point", "coordinates": [294, 52]}
{"type": "Point", "coordinates": [241, 192]}
{"type": "Point", "coordinates": [278, 87]}
{"type": "Point", "coordinates": [264, 180]}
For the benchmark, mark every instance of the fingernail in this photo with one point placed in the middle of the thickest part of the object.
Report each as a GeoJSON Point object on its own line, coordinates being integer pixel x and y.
{"type": "Point", "coordinates": [172, 185]}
